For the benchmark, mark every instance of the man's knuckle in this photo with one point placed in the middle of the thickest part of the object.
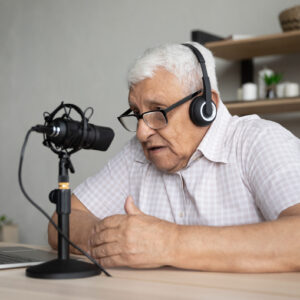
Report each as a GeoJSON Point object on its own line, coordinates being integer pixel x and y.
{"type": "Point", "coordinates": [96, 240]}
{"type": "Point", "coordinates": [105, 222]}
{"type": "Point", "coordinates": [101, 236]}
{"type": "Point", "coordinates": [103, 251]}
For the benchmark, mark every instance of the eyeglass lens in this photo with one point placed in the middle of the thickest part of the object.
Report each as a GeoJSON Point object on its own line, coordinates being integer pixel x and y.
{"type": "Point", "coordinates": [129, 123]}
{"type": "Point", "coordinates": [154, 120]}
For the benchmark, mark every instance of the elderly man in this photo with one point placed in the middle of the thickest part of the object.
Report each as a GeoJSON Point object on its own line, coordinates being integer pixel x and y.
{"type": "Point", "coordinates": [219, 195]}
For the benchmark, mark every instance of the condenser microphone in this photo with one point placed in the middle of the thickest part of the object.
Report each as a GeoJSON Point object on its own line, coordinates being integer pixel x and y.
{"type": "Point", "coordinates": [68, 133]}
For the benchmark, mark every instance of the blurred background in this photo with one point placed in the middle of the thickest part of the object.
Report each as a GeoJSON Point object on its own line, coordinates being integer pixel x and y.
{"type": "Point", "coordinates": [79, 51]}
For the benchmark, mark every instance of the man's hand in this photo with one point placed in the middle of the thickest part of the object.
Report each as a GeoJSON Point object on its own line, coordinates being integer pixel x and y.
{"type": "Point", "coordinates": [135, 240]}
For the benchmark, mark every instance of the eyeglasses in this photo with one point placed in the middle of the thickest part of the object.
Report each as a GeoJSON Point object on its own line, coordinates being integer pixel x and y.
{"type": "Point", "coordinates": [155, 119]}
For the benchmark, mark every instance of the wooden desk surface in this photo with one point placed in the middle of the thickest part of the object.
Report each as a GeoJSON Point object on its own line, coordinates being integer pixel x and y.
{"type": "Point", "coordinates": [164, 283]}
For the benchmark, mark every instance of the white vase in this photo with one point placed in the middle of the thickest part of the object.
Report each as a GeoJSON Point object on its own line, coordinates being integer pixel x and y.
{"type": "Point", "coordinates": [261, 82]}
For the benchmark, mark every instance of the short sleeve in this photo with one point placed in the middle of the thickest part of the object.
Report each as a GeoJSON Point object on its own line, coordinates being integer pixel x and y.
{"type": "Point", "coordinates": [273, 168]}
{"type": "Point", "coordinates": [104, 194]}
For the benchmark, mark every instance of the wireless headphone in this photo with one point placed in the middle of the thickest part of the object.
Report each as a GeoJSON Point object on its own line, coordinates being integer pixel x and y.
{"type": "Point", "coordinates": [203, 110]}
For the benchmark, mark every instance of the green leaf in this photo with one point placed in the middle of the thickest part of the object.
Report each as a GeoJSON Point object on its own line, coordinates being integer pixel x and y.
{"type": "Point", "coordinates": [5, 221]}
{"type": "Point", "coordinates": [272, 79]}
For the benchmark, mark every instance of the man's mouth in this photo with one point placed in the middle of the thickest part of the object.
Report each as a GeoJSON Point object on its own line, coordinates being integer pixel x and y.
{"type": "Point", "coordinates": [155, 148]}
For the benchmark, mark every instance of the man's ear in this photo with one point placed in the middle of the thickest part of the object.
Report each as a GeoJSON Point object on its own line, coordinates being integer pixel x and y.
{"type": "Point", "coordinates": [215, 97]}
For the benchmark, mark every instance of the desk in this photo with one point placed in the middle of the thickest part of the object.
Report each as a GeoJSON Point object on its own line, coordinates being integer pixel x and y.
{"type": "Point", "coordinates": [164, 283]}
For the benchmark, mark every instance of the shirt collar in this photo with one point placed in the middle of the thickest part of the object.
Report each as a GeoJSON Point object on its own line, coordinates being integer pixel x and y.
{"type": "Point", "coordinates": [213, 145]}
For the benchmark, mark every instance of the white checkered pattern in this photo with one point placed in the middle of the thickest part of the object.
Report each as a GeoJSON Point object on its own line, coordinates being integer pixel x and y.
{"type": "Point", "coordinates": [245, 170]}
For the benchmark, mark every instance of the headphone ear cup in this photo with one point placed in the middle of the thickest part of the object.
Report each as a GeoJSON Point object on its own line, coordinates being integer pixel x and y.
{"type": "Point", "coordinates": [198, 113]}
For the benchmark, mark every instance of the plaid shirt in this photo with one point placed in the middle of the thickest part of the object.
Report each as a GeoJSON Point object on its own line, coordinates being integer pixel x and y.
{"type": "Point", "coordinates": [245, 170]}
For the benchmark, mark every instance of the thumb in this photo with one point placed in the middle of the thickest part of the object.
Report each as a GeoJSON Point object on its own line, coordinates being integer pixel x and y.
{"type": "Point", "coordinates": [130, 207]}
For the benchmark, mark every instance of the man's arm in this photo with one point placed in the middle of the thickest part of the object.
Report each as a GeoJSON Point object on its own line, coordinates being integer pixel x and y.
{"type": "Point", "coordinates": [264, 247]}
{"type": "Point", "coordinates": [81, 224]}
{"type": "Point", "coordinates": [138, 240]}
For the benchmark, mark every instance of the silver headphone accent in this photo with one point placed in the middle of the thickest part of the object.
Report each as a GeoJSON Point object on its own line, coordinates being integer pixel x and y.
{"type": "Point", "coordinates": [214, 112]}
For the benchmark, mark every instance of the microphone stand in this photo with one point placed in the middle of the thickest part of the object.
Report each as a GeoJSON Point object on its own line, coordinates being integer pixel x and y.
{"type": "Point", "coordinates": [63, 267]}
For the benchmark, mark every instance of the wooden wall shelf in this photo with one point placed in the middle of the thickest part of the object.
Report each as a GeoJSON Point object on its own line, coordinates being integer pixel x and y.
{"type": "Point", "coordinates": [263, 106]}
{"type": "Point", "coordinates": [281, 43]}
{"type": "Point", "coordinates": [245, 50]}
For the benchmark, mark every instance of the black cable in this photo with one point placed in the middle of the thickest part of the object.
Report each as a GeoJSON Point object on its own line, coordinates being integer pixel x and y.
{"type": "Point", "coordinates": [43, 212]}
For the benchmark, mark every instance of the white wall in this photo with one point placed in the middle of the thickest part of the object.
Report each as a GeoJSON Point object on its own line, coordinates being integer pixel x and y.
{"type": "Point", "coordinates": [79, 51]}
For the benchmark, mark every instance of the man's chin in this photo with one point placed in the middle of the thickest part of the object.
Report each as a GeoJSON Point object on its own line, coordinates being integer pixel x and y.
{"type": "Point", "coordinates": [166, 168]}
{"type": "Point", "coordinates": [163, 162]}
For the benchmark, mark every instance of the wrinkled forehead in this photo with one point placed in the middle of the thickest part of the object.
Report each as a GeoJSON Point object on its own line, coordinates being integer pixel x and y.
{"type": "Point", "coordinates": [162, 88]}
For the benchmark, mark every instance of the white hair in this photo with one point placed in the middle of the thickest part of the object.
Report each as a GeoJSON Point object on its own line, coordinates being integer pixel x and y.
{"type": "Point", "coordinates": [178, 60]}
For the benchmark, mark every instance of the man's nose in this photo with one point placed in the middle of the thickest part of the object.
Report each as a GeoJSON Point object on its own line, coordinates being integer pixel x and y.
{"type": "Point", "coordinates": [143, 131]}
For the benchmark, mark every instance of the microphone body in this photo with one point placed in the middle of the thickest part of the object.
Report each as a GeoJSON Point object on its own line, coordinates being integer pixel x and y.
{"type": "Point", "coordinates": [68, 134]}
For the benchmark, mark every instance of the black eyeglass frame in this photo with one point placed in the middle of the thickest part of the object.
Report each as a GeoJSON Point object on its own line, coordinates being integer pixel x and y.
{"type": "Point", "coordinates": [163, 111]}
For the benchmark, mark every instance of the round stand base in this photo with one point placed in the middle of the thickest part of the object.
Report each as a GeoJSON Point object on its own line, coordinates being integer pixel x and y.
{"type": "Point", "coordinates": [63, 269]}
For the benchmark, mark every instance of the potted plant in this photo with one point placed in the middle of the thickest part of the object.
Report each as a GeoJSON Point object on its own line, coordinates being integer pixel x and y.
{"type": "Point", "coordinates": [9, 232]}
{"type": "Point", "coordinates": [271, 82]}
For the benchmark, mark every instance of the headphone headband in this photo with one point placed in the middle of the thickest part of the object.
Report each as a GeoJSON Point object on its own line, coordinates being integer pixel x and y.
{"type": "Point", "coordinates": [199, 57]}
{"type": "Point", "coordinates": [205, 78]}
{"type": "Point", "coordinates": [209, 108]}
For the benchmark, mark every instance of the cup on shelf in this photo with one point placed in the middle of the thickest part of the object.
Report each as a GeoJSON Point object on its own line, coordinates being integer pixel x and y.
{"type": "Point", "coordinates": [249, 91]}
{"type": "Point", "coordinates": [291, 89]}
{"type": "Point", "coordinates": [287, 89]}
{"type": "Point", "coordinates": [280, 90]}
